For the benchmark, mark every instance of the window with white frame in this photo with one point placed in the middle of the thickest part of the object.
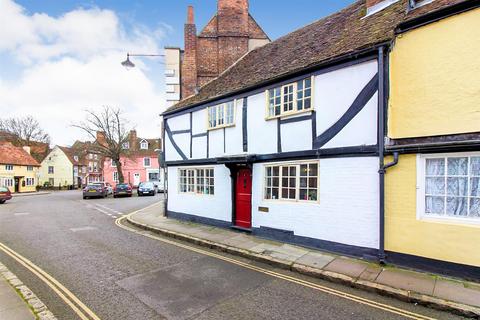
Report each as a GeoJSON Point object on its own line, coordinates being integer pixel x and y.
{"type": "Point", "coordinates": [126, 145]}
{"type": "Point", "coordinates": [9, 167]}
{"type": "Point", "coordinates": [205, 181]}
{"type": "Point", "coordinates": [29, 168]}
{"type": "Point", "coordinates": [450, 186]}
{"type": "Point", "coordinates": [144, 145]}
{"type": "Point", "coordinates": [75, 158]}
{"type": "Point", "coordinates": [113, 163]}
{"type": "Point", "coordinates": [221, 115]}
{"type": "Point", "coordinates": [199, 181]}
{"type": "Point", "coordinates": [293, 181]}
{"type": "Point", "coordinates": [6, 182]}
{"type": "Point", "coordinates": [115, 177]}
{"type": "Point", "coordinates": [146, 162]}
{"type": "Point", "coordinates": [30, 181]}
{"type": "Point", "coordinates": [290, 98]}
{"type": "Point", "coordinates": [50, 169]}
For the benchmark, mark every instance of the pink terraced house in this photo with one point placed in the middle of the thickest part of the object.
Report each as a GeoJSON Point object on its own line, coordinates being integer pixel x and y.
{"type": "Point", "coordinates": [140, 165]}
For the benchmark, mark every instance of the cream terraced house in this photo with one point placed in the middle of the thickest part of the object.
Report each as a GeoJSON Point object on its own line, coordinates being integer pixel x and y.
{"type": "Point", "coordinates": [18, 169]}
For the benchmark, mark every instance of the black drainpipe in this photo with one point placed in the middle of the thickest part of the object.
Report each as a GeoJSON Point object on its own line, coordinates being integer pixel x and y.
{"type": "Point", "coordinates": [381, 151]}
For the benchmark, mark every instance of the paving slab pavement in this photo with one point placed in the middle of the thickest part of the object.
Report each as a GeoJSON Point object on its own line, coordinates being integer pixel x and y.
{"type": "Point", "coordinates": [12, 307]}
{"type": "Point", "coordinates": [433, 290]}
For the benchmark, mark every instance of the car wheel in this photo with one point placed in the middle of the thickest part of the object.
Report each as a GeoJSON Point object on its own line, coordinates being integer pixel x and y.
{"type": "Point", "coordinates": [2, 201]}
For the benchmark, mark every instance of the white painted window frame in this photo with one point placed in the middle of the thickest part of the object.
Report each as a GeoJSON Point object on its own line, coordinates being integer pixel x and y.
{"type": "Point", "coordinates": [297, 182]}
{"type": "Point", "coordinates": [115, 176]}
{"type": "Point", "coordinates": [144, 145]}
{"type": "Point", "coordinates": [9, 167]}
{"type": "Point", "coordinates": [295, 110]}
{"type": "Point", "coordinates": [224, 108]}
{"type": "Point", "coordinates": [420, 196]}
{"type": "Point", "coordinates": [149, 162]}
{"type": "Point", "coordinates": [113, 164]}
{"type": "Point", "coordinates": [194, 185]}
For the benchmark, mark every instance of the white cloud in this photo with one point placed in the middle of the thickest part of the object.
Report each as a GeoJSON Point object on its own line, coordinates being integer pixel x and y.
{"type": "Point", "coordinates": [72, 62]}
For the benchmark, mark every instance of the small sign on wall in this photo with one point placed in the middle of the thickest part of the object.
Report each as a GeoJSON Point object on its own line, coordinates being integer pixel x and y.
{"type": "Point", "coordinates": [263, 209]}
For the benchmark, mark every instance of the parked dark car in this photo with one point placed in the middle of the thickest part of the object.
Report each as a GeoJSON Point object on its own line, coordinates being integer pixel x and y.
{"type": "Point", "coordinates": [5, 194]}
{"type": "Point", "coordinates": [95, 190]}
{"type": "Point", "coordinates": [146, 188]}
{"type": "Point", "coordinates": [122, 189]}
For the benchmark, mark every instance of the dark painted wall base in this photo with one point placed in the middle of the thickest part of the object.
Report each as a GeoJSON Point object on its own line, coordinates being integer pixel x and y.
{"type": "Point", "coordinates": [285, 236]}
{"type": "Point", "coordinates": [436, 266]}
{"type": "Point", "coordinates": [198, 219]}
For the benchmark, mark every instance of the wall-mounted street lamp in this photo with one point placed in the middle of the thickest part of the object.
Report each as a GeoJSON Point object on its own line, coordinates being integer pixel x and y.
{"type": "Point", "coordinates": [129, 64]}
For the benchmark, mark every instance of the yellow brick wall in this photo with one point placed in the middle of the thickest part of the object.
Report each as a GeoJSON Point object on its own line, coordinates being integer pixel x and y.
{"type": "Point", "coordinates": [434, 76]}
{"type": "Point", "coordinates": [404, 233]}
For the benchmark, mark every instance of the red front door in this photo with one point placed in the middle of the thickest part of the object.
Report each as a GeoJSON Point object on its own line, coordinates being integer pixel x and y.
{"type": "Point", "coordinates": [243, 190]}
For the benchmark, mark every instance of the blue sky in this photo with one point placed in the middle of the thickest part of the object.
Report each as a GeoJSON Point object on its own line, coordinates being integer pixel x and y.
{"type": "Point", "coordinates": [60, 57]}
{"type": "Point", "coordinates": [277, 17]}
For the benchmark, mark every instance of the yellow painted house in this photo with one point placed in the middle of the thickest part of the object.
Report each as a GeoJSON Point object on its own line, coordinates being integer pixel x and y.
{"type": "Point", "coordinates": [432, 208]}
{"type": "Point", "coordinates": [18, 169]}
{"type": "Point", "coordinates": [57, 169]}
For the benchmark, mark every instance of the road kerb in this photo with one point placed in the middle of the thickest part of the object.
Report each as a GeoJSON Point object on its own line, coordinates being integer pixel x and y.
{"type": "Point", "coordinates": [38, 308]}
{"type": "Point", "coordinates": [400, 294]}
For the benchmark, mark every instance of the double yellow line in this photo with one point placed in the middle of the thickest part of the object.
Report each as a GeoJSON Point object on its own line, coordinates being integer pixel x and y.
{"type": "Point", "coordinates": [374, 304]}
{"type": "Point", "coordinates": [66, 295]}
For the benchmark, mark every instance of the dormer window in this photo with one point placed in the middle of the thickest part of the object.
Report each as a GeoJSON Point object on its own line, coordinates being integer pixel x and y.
{"type": "Point", "coordinates": [144, 145]}
{"type": "Point", "coordinates": [75, 158]}
{"type": "Point", "coordinates": [418, 3]}
{"type": "Point", "coordinates": [125, 146]}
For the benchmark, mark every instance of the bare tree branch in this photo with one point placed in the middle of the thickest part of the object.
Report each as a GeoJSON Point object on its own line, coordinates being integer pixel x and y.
{"type": "Point", "coordinates": [109, 131]}
{"type": "Point", "coordinates": [24, 129]}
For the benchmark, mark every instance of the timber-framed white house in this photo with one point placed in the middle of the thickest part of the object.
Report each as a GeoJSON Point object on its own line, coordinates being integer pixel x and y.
{"type": "Point", "coordinates": [288, 143]}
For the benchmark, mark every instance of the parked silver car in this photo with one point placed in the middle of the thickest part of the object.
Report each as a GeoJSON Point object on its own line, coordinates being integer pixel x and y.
{"type": "Point", "coordinates": [95, 190]}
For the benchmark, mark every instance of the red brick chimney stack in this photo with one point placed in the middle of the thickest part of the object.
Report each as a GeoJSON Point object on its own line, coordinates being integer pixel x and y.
{"type": "Point", "coordinates": [189, 65]}
{"type": "Point", "coordinates": [232, 31]}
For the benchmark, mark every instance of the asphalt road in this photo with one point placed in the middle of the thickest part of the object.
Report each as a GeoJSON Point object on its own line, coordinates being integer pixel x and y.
{"type": "Point", "coordinates": [122, 275]}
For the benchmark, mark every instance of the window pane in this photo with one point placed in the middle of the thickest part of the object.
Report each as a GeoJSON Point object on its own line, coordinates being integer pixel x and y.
{"type": "Point", "coordinates": [293, 171]}
{"type": "Point", "coordinates": [312, 182]}
{"type": "Point", "coordinates": [291, 194]}
{"type": "Point", "coordinates": [474, 207]}
{"type": "Point", "coordinates": [303, 194]}
{"type": "Point", "coordinates": [313, 169]}
{"type": "Point", "coordinates": [475, 187]}
{"type": "Point", "coordinates": [475, 166]}
{"type": "Point", "coordinates": [435, 167]}
{"type": "Point", "coordinates": [303, 170]}
{"type": "Point", "coordinates": [268, 193]}
{"type": "Point", "coordinates": [434, 205]}
{"type": "Point", "coordinates": [284, 182]}
{"type": "Point", "coordinates": [274, 193]}
{"type": "Point", "coordinates": [276, 171]}
{"type": "Point", "coordinates": [303, 182]}
{"type": "Point", "coordinates": [435, 186]}
{"type": "Point", "coordinates": [457, 206]}
{"type": "Point", "coordinates": [457, 186]}
{"type": "Point", "coordinates": [285, 193]}
{"type": "Point", "coordinates": [457, 166]}
{"type": "Point", "coordinates": [292, 182]}
{"type": "Point", "coordinates": [275, 182]}
{"type": "Point", "coordinates": [284, 171]}
{"type": "Point", "coordinates": [312, 195]}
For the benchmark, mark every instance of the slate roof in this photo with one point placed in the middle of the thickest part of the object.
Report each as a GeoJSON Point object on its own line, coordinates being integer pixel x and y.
{"type": "Point", "coordinates": [10, 154]}
{"type": "Point", "coordinates": [345, 32]}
